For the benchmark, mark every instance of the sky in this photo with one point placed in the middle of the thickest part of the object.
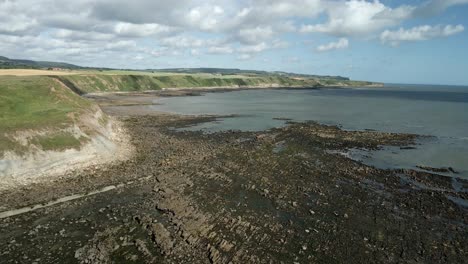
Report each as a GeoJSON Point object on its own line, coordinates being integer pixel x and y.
{"type": "Point", "coordinates": [396, 41]}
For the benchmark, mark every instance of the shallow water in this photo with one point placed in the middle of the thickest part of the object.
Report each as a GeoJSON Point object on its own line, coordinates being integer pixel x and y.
{"type": "Point", "coordinates": [439, 111]}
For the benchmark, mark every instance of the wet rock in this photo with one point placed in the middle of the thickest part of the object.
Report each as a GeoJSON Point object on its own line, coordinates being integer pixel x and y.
{"type": "Point", "coordinates": [225, 245]}
{"type": "Point", "coordinates": [215, 256]}
{"type": "Point", "coordinates": [442, 169]}
{"type": "Point", "coordinates": [162, 237]}
{"type": "Point", "coordinates": [99, 249]}
{"type": "Point", "coordinates": [141, 247]}
{"type": "Point", "coordinates": [204, 195]}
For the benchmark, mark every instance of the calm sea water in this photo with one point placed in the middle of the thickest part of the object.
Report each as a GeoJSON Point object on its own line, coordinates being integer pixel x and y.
{"type": "Point", "coordinates": [439, 111]}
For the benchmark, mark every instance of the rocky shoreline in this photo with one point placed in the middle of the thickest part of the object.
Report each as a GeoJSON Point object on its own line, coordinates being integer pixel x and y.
{"type": "Point", "coordinates": [277, 196]}
{"type": "Point", "coordinates": [146, 97]}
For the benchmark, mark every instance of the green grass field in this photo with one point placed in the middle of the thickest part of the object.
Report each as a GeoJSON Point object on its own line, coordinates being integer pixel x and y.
{"type": "Point", "coordinates": [36, 103]}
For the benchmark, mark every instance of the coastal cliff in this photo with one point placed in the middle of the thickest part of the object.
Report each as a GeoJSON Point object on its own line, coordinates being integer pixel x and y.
{"type": "Point", "coordinates": [47, 129]}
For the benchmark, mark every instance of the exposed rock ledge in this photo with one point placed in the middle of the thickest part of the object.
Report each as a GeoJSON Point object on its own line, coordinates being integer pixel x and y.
{"type": "Point", "coordinates": [109, 144]}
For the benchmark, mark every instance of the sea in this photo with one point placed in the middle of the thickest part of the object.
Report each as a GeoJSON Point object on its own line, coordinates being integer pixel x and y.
{"type": "Point", "coordinates": [438, 111]}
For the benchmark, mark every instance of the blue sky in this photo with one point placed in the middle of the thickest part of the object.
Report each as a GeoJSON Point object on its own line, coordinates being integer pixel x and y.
{"type": "Point", "coordinates": [389, 40]}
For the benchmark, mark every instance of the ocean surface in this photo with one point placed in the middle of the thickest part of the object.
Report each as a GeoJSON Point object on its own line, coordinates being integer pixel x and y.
{"type": "Point", "coordinates": [438, 111]}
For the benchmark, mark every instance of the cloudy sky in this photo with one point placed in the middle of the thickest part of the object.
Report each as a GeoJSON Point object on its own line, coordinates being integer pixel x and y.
{"type": "Point", "coordinates": [411, 41]}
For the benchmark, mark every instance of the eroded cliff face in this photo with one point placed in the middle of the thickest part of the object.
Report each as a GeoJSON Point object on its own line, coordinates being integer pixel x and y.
{"type": "Point", "coordinates": [94, 139]}
{"type": "Point", "coordinates": [97, 83]}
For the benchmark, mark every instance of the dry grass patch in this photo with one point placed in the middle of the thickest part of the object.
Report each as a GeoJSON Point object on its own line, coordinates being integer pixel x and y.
{"type": "Point", "coordinates": [31, 72]}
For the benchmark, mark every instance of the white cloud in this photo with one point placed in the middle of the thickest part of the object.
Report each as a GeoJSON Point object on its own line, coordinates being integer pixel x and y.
{"type": "Point", "coordinates": [363, 18]}
{"type": "Point", "coordinates": [254, 48]}
{"type": "Point", "coordinates": [280, 44]}
{"type": "Point", "coordinates": [274, 9]}
{"type": "Point", "coordinates": [286, 26]}
{"type": "Point", "coordinates": [419, 33]}
{"type": "Point", "coordinates": [255, 35]}
{"type": "Point", "coordinates": [431, 8]}
{"type": "Point", "coordinates": [182, 42]}
{"type": "Point", "coordinates": [121, 45]}
{"type": "Point", "coordinates": [195, 52]}
{"type": "Point", "coordinates": [155, 53]}
{"type": "Point", "coordinates": [91, 30]}
{"type": "Point", "coordinates": [245, 57]}
{"type": "Point", "coordinates": [17, 25]}
{"type": "Point", "coordinates": [15, 22]}
{"type": "Point", "coordinates": [208, 18]}
{"type": "Point", "coordinates": [140, 30]}
{"type": "Point", "coordinates": [358, 18]}
{"type": "Point", "coordinates": [80, 35]}
{"type": "Point", "coordinates": [220, 50]}
{"type": "Point", "coordinates": [342, 43]}
{"type": "Point", "coordinates": [140, 11]}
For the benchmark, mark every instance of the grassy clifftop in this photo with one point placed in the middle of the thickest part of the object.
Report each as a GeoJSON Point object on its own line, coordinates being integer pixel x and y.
{"type": "Point", "coordinates": [36, 101]}
{"type": "Point", "coordinates": [35, 111]}
{"type": "Point", "coordinates": [91, 81]}
{"type": "Point", "coordinates": [130, 82]}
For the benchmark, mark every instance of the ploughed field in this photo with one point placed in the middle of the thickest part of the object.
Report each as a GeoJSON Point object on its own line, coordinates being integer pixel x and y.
{"type": "Point", "coordinates": [284, 195]}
